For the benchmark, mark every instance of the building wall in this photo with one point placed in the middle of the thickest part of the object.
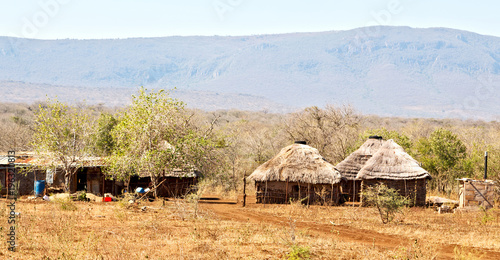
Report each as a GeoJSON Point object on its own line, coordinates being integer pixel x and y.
{"type": "Point", "coordinates": [27, 181]}
{"type": "Point", "coordinates": [94, 177]}
{"type": "Point", "coordinates": [3, 173]}
{"type": "Point", "coordinates": [415, 190]}
{"type": "Point", "coordinates": [477, 193]}
{"type": "Point", "coordinates": [176, 187]}
{"type": "Point", "coordinates": [278, 192]}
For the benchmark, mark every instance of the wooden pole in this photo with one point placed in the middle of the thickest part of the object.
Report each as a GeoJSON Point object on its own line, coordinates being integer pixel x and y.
{"type": "Point", "coordinates": [244, 190]}
{"type": "Point", "coordinates": [308, 194]}
{"type": "Point", "coordinates": [353, 192]}
{"type": "Point", "coordinates": [103, 185]}
{"type": "Point", "coordinates": [265, 195]}
{"type": "Point", "coordinates": [176, 187]}
{"type": "Point", "coordinates": [300, 198]}
{"type": "Point", "coordinates": [286, 191]}
{"type": "Point", "coordinates": [331, 195]}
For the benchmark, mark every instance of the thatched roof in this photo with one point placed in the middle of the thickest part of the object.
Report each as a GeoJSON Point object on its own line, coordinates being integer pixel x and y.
{"type": "Point", "coordinates": [391, 162]}
{"type": "Point", "coordinates": [297, 163]}
{"type": "Point", "coordinates": [350, 166]}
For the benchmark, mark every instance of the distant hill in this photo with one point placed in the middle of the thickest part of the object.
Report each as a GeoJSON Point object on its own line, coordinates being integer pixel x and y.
{"type": "Point", "coordinates": [397, 71]}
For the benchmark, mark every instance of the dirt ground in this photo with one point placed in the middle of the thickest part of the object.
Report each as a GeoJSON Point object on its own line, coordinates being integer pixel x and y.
{"type": "Point", "coordinates": [223, 229]}
{"type": "Point", "coordinates": [235, 212]}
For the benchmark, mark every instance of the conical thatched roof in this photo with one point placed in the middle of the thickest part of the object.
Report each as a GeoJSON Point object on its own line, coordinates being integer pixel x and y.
{"type": "Point", "coordinates": [391, 162]}
{"type": "Point", "coordinates": [351, 165]}
{"type": "Point", "coordinates": [297, 163]}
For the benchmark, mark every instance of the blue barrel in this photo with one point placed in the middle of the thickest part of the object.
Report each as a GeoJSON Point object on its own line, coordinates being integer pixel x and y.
{"type": "Point", "coordinates": [39, 187]}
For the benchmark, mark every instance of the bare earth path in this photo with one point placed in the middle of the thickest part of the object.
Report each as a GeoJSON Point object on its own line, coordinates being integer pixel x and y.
{"type": "Point", "coordinates": [235, 212]}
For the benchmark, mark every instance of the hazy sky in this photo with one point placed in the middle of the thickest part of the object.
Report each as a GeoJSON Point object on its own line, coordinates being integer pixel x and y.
{"type": "Point", "coordinates": [58, 19]}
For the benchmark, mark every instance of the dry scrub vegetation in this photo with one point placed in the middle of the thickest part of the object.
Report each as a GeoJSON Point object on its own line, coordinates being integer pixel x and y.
{"type": "Point", "coordinates": [169, 230]}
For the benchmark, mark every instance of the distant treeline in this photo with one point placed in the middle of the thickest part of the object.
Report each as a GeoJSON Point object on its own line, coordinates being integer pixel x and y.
{"type": "Point", "coordinates": [235, 142]}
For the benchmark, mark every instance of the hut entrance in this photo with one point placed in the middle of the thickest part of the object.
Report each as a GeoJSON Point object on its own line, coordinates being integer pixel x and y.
{"type": "Point", "coordinates": [81, 180]}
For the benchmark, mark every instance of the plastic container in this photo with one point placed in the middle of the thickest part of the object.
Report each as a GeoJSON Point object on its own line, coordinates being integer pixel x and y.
{"type": "Point", "coordinates": [107, 199]}
{"type": "Point", "coordinates": [39, 188]}
{"type": "Point", "coordinates": [139, 190]}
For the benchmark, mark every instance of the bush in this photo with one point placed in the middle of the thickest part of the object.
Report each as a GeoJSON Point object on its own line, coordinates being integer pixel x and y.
{"type": "Point", "coordinates": [82, 196]}
{"type": "Point", "coordinates": [66, 204]}
{"type": "Point", "coordinates": [298, 252]}
{"type": "Point", "coordinates": [387, 200]}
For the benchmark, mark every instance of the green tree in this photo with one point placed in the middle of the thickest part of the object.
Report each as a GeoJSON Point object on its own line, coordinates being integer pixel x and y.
{"type": "Point", "coordinates": [443, 154]}
{"type": "Point", "coordinates": [104, 142]}
{"type": "Point", "coordinates": [62, 137]}
{"type": "Point", "coordinates": [155, 135]}
{"type": "Point", "coordinates": [387, 200]}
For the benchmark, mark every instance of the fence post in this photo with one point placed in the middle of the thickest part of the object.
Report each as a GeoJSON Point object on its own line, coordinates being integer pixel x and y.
{"type": "Point", "coordinates": [244, 190]}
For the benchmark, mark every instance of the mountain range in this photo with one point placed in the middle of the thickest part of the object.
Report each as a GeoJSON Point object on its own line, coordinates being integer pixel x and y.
{"type": "Point", "coordinates": [383, 70]}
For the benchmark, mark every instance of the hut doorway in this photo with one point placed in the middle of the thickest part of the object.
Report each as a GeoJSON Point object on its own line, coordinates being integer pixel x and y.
{"type": "Point", "coordinates": [81, 180]}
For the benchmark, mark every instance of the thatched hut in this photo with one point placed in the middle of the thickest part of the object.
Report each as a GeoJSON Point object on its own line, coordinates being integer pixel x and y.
{"type": "Point", "coordinates": [297, 172]}
{"type": "Point", "coordinates": [350, 167]}
{"type": "Point", "coordinates": [392, 166]}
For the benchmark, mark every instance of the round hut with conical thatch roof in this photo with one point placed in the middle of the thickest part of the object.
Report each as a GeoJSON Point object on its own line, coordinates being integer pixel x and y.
{"type": "Point", "coordinates": [297, 172]}
{"type": "Point", "coordinates": [350, 167]}
{"type": "Point", "coordinates": [392, 166]}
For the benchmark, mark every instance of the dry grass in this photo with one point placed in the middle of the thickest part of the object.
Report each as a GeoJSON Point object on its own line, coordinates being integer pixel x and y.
{"type": "Point", "coordinates": [171, 231]}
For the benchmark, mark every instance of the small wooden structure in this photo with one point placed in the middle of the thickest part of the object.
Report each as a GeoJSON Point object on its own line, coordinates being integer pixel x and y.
{"type": "Point", "coordinates": [175, 183]}
{"type": "Point", "coordinates": [24, 179]}
{"type": "Point", "coordinates": [4, 166]}
{"type": "Point", "coordinates": [392, 166]}
{"type": "Point", "coordinates": [350, 167]}
{"type": "Point", "coordinates": [297, 172]}
{"type": "Point", "coordinates": [89, 176]}
{"type": "Point", "coordinates": [477, 193]}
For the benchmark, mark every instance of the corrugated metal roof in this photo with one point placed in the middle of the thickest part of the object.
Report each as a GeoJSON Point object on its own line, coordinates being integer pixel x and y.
{"type": "Point", "coordinates": [29, 159]}
{"type": "Point", "coordinates": [4, 160]}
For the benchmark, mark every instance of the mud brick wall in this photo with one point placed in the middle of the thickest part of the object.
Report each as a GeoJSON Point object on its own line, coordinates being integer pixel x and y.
{"type": "Point", "coordinates": [483, 193]}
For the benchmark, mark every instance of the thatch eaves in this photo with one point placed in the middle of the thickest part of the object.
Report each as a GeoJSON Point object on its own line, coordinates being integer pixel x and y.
{"type": "Point", "coordinates": [297, 163]}
{"type": "Point", "coordinates": [391, 162]}
{"type": "Point", "coordinates": [350, 166]}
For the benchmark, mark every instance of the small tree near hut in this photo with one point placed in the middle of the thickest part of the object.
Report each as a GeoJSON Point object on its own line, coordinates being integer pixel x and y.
{"type": "Point", "coordinates": [387, 201]}
{"type": "Point", "coordinates": [62, 137]}
{"type": "Point", "coordinates": [156, 135]}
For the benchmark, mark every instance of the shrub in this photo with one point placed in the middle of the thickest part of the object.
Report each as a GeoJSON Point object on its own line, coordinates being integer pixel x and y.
{"type": "Point", "coordinates": [298, 252]}
{"type": "Point", "coordinates": [82, 196]}
{"type": "Point", "coordinates": [66, 204]}
{"type": "Point", "coordinates": [387, 201]}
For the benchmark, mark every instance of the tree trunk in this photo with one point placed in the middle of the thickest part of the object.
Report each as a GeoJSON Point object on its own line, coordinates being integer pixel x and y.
{"type": "Point", "coordinates": [68, 179]}
{"type": "Point", "coordinates": [154, 182]}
